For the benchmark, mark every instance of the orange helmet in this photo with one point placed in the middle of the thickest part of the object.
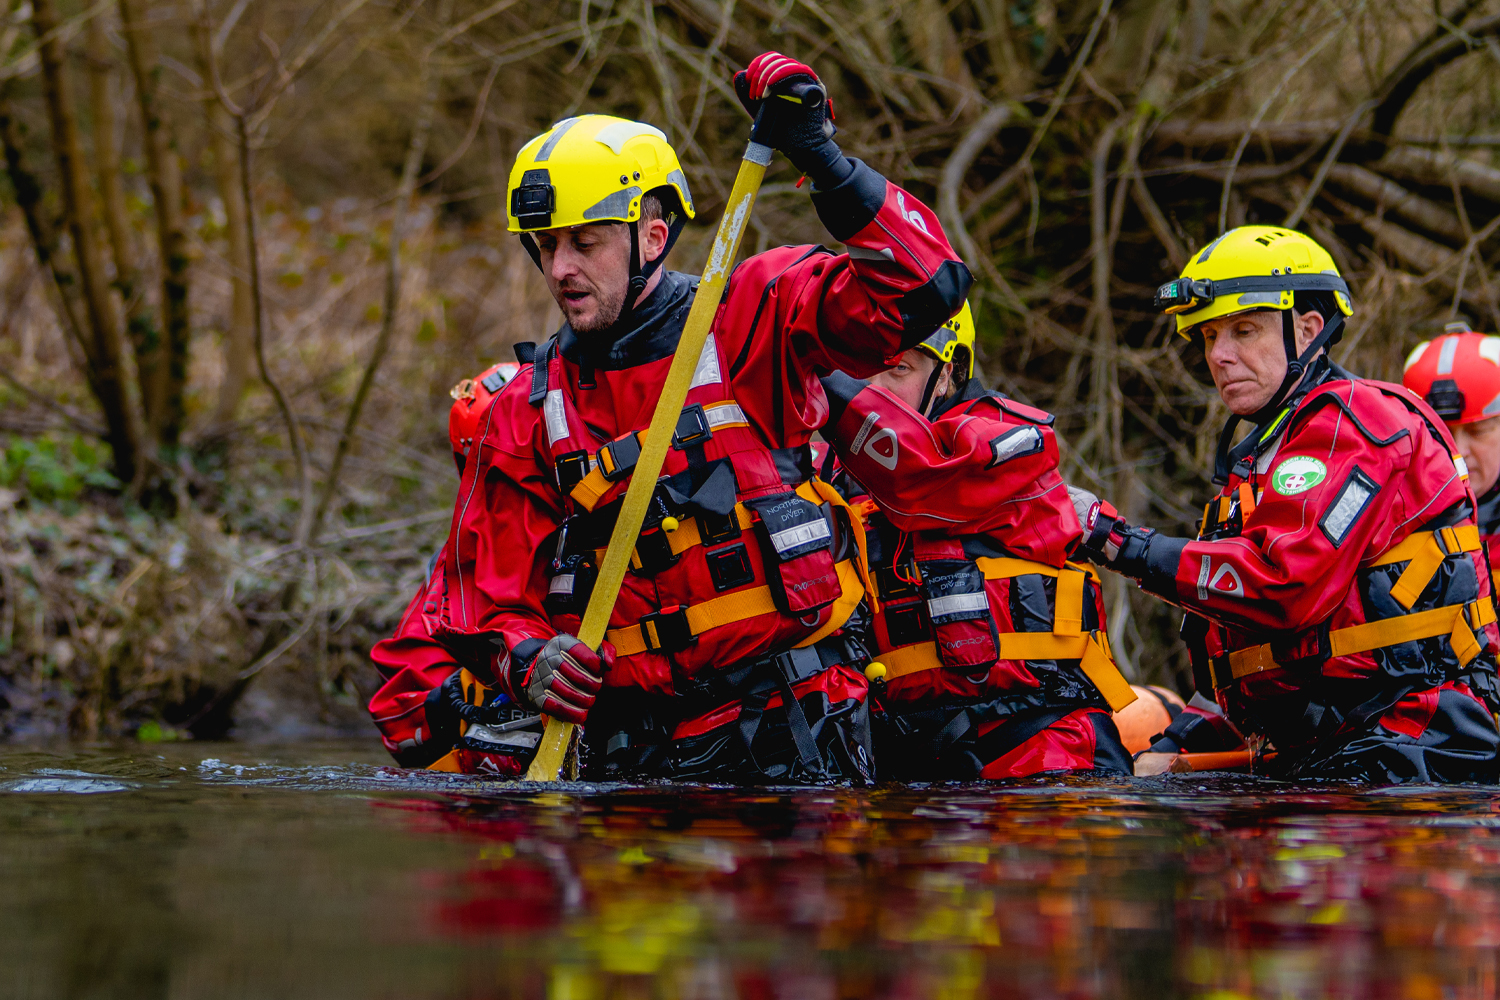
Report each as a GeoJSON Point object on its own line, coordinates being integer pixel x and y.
{"type": "Point", "coordinates": [1458, 374]}
{"type": "Point", "coordinates": [1146, 718]}
{"type": "Point", "coordinates": [471, 398]}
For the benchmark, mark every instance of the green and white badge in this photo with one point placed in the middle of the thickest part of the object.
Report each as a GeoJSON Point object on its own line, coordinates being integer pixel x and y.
{"type": "Point", "coordinates": [1298, 474]}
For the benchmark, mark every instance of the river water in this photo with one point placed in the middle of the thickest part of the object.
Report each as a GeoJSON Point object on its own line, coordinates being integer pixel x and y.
{"type": "Point", "coordinates": [315, 870]}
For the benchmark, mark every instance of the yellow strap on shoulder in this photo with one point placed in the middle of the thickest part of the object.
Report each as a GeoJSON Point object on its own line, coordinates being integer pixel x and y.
{"type": "Point", "coordinates": [1068, 618]}
{"type": "Point", "coordinates": [589, 490]}
{"type": "Point", "coordinates": [1426, 551]}
{"type": "Point", "coordinates": [548, 763]}
{"type": "Point", "coordinates": [1007, 567]}
{"type": "Point", "coordinates": [1098, 665]}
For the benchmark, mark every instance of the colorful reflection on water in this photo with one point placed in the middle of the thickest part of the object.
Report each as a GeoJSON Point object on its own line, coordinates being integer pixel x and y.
{"type": "Point", "coordinates": [301, 874]}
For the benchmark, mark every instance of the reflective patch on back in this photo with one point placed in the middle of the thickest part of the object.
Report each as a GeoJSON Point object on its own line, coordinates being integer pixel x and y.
{"type": "Point", "coordinates": [1352, 501]}
{"type": "Point", "coordinates": [557, 417]}
{"type": "Point", "coordinates": [1203, 578]}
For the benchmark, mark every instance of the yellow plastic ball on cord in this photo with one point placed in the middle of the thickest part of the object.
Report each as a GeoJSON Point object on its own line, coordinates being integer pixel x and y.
{"type": "Point", "coordinates": [875, 672]}
{"type": "Point", "coordinates": [670, 524]}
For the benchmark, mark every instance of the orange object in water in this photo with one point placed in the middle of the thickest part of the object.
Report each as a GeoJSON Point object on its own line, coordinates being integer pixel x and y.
{"type": "Point", "coordinates": [1146, 717]}
{"type": "Point", "coordinates": [1228, 760]}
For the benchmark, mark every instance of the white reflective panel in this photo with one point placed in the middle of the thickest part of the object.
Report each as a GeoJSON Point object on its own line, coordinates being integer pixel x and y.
{"type": "Point", "coordinates": [956, 604]}
{"type": "Point", "coordinates": [802, 534]}
{"type": "Point", "coordinates": [557, 416]}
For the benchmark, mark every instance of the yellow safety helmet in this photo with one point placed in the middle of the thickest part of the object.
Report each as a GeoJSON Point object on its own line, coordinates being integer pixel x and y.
{"type": "Point", "coordinates": [1251, 267]}
{"type": "Point", "coordinates": [592, 168]}
{"type": "Point", "coordinates": [956, 334]}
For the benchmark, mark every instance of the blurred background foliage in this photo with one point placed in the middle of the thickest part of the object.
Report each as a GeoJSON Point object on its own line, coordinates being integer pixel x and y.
{"type": "Point", "coordinates": [248, 245]}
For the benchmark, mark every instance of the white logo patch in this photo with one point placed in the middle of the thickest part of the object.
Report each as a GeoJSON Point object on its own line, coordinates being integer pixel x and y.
{"type": "Point", "coordinates": [882, 447]}
{"type": "Point", "coordinates": [1226, 582]}
{"type": "Point", "coordinates": [914, 217]}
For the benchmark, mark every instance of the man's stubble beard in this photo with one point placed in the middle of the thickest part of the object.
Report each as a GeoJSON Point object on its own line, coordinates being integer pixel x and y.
{"type": "Point", "coordinates": [610, 306]}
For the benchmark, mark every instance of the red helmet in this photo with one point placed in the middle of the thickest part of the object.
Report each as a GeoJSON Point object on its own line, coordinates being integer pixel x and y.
{"type": "Point", "coordinates": [471, 398]}
{"type": "Point", "coordinates": [1458, 374]}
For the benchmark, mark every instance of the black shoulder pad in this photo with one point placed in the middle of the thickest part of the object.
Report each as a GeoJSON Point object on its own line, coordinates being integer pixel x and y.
{"type": "Point", "coordinates": [525, 352]}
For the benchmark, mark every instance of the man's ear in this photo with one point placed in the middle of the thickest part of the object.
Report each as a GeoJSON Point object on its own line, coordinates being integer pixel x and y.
{"type": "Point", "coordinates": [1309, 325]}
{"type": "Point", "coordinates": [653, 236]}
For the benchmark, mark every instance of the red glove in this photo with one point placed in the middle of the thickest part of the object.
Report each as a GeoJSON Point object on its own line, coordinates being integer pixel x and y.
{"type": "Point", "coordinates": [768, 69]}
{"type": "Point", "coordinates": [564, 677]}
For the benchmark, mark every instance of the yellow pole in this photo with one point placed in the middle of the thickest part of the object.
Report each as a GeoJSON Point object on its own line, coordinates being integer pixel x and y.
{"type": "Point", "coordinates": [554, 746]}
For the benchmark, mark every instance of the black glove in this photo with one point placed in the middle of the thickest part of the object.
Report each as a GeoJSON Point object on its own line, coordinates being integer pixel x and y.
{"type": "Point", "coordinates": [1110, 540]}
{"type": "Point", "coordinates": [450, 703]}
{"type": "Point", "coordinates": [803, 131]}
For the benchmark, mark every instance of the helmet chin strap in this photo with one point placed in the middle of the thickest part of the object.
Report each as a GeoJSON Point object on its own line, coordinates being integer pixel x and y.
{"type": "Point", "coordinates": [640, 275]}
{"type": "Point", "coordinates": [1228, 458]}
{"type": "Point", "coordinates": [932, 381]}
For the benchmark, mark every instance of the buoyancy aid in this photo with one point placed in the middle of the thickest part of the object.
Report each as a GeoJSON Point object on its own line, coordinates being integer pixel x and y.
{"type": "Point", "coordinates": [959, 620]}
{"type": "Point", "coordinates": [985, 609]}
{"type": "Point", "coordinates": [1384, 496]}
{"type": "Point", "coordinates": [744, 550]}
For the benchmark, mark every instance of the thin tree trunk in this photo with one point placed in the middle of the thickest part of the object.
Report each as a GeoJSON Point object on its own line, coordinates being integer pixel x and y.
{"type": "Point", "coordinates": [239, 339]}
{"type": "Point", "coordinates": [139, 327]}
{"type": "Point", "coordinates": [106, 352]}
{"type": "Point", "coordinates": [29, 195]}
{"type": "Point", "coordinates": [415, 150]}
{"type": "Point", "coordinates": [164, 171]}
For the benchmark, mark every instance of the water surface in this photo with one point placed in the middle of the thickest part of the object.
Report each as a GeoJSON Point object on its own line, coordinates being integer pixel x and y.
{"type": "Point", "coordinates": [315, 870]}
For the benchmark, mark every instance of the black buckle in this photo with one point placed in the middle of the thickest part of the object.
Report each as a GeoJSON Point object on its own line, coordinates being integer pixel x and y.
{"type": "Point", "coordinates": [904, 623]}
{"type": "Point", "coordinates": [892, 586]}
{"type": "Point", "coordinates": [572, 468]}
{"type": "Point", "coordinates": [692, 428]}
{"type": "Point", "coordinates": [716, 528]}
{"type": "Point", "coordinates": [673, 634]}
{"type": "Point", "coordinates": [653, 553]}
{"type": "Point", "coordinates": [730, 567]}
{"type": "Point", "coordinates": [623, 454]}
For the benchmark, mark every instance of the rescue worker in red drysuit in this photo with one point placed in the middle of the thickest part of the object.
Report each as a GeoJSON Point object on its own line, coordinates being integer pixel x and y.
{"type": "Point", "coordinates": [989, 648]}
{"type": "Point", "coordinates": [748, 566]}
{"type": "Point", "coordinates": [1458, 374]}
{"type": "Point", "coordinates": [418, 671]}
{"type": "Point", "coordinates": [1338, 604]}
